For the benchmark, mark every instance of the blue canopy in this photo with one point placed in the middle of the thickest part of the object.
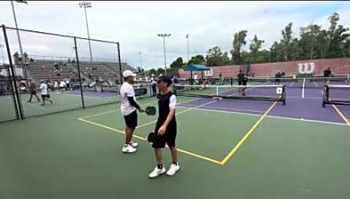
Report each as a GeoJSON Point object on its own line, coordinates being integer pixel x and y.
{"type": "Point", "coordinates": [196, 67]}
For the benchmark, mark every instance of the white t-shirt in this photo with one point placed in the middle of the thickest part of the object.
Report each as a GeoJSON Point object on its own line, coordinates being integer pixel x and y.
{"type": "Point", "coordinates": [126, 90]}
{"type": "Point", "coordinates": [62, 84]}
{"type": "Point", "coordinates": [172, 102]}
{"type": "Point", "coordinates": [43, 88]}
{"type": "Point", "coordinates": [154, 80]}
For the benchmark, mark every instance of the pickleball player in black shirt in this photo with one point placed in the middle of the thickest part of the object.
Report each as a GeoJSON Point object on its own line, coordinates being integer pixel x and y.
{"type": "Point", "coordinates": [242, 80]}
{"type": "Point", "coordinates": [327, 74]}
{"type": "Point", "coordinates": [166, 128]}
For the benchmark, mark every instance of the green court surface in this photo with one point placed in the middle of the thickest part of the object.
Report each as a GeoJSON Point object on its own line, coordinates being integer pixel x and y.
{"type": "Point", "coordinates": [62, 102]}
{"type": "Point", "coordinates": [77, 154]}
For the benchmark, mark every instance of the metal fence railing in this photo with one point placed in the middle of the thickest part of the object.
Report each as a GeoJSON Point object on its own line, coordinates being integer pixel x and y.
{"type": "Point", "coordinates": [73, 78]}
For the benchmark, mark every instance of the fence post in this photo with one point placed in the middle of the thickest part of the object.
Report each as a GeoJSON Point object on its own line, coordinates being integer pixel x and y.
{"type": "Point", "coordinates": [120, 66]}
{"type": "Point", "coordinates": [78, 66]}
{"type": "Point", "coordinates": [17, 101]}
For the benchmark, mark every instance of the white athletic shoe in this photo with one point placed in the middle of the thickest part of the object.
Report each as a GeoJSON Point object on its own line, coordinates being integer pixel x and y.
{"type": "Point", "coordinates": [127, 148]}
{"type": "Point", "coordinates": [134, 144]}
{"type": "Point", "coordinates": [173, 169]}
{"type": "Point", "coordinates": [156, 172]}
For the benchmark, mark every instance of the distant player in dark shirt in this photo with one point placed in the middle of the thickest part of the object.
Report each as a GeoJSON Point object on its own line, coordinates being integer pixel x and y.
{"type": "Point", "coordinates": [242, 80]}
{"type": "Point", "coordinates": [278, 78]}
{"type": "Point", "coordinates": [32, 90]}
{"type": "Point", "coordinates": [326, 74]}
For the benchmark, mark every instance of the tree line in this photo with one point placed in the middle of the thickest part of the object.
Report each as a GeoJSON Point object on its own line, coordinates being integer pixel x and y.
{"type": "Point", "coordinates": [314, 42]}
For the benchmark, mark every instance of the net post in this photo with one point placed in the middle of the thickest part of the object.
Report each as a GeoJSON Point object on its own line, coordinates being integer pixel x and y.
{"type": "Point", "coordinates": [284, 94]}
{"type": "Point", "coordinates": [120, 65]}
{"type": "Point", "coordinates": [217, 91]}
{"type": "Point", "coordinates": [16, 98]}
{"type": "Point", "coordinates": [325, 96]}
{"type": "Point", "coordinates": [78, 66]}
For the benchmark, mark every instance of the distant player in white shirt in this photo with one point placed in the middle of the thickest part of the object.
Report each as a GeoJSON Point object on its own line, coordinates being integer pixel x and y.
{"type": "Point", "coordinates": [128, 108]}
{"type": "Point", "coordinates": [44, 92]}
{"type": "Point", "coordinates": [63, 86]}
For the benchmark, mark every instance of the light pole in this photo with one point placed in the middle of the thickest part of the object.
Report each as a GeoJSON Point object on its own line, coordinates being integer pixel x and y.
{"type": "Point", "coordinates": [188, 49]}
{"type": "Point", "coordinates": [2, 53]}
{"type": "Point", "coordinates": [85, 5]}
{"type": "Point", "coordinates": [140, 59]}
{"type": "Point", "coordinates": [164, 36]}
{"type": "Point", "coordinates": [24, 67]}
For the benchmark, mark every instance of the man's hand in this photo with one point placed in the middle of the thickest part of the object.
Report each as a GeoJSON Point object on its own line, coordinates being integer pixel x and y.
{"type": "Point", "coordinates": [162, 130]}
{"type": "Point", "coordinates": [141, 110]}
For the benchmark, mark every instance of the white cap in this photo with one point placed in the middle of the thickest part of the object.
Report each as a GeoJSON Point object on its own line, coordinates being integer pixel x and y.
{"type": "Point", "coordinates": [128, 73]}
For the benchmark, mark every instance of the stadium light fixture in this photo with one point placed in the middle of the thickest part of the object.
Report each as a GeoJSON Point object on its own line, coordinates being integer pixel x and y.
{"type": "Point", "coordinates": [86, 4]}
{"type": "Point", "coordinates": [188, 49]}
{"type": "Point", "coordinates": [164, 36]}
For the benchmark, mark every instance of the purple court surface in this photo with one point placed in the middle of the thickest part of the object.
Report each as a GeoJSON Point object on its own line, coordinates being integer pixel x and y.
{"type": "Point", "coordinates": [301, 103]}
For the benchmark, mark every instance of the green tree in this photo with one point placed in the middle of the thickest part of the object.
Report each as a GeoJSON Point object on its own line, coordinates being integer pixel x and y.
{"type": "Point", "coordinates": [16, 57]}
{"type": "Point", "coordinates": [286, 41]}
{"type": "Point", "coordinates": [308, 42]}
{"type": "Point", "coordinates": [337, 36]}
{"type": "Point", "coordinates": [177, 63]}
{"type": "Point", "coordinates": [225, 59]}
{"type": "Point", "coordinates": [254, 48]}
{"type": "Point", "coordinates": [263, 56]}
{"type": "Point", "coordinates": [160, 71]}
{"type": "Point", "coordinates": [198, 59]}
{"type": "Point", "coordinates": [276, 52]}
{"type": "Point", "coordinates": [215, 57]}
{"type": "Point", "coordinates": [238, 43]}
{"type": "Point", "coordinates": [25, 55]}
{"type": "Point", "coordinates": [153, 72]}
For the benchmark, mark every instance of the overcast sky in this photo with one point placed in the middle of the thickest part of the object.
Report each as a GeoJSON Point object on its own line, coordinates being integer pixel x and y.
{"type": "Point", "coordinates": [136, 25]}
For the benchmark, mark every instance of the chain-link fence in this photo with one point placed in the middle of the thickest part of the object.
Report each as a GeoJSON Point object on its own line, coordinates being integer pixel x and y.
{"type": "Point", "coordinates": [58, 73]}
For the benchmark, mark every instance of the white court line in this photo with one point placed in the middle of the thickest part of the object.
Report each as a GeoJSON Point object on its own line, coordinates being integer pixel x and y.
{"type": "Point", "coordinates": [307, 98]}
{"type": "Point", "coordinates": [271, 116]}
{"type": "Point", "coordinates": [303, 91]}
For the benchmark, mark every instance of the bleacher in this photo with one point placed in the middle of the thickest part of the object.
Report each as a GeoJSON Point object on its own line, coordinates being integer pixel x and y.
{"type": "Point", "coordinates": [44, 69]}
{"type": "Point", "coordinates": [90, 71]}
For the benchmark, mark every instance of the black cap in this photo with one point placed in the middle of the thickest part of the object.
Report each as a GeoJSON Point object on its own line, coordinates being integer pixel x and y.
{"type": "Point", "coordinates": [166, 79]}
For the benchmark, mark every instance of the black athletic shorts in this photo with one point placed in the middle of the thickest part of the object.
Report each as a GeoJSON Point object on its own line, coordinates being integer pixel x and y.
{"type": "Point", "coordinates": [240, 82]}
{"type": "Point", "coordinates": [33, 92]}
{"type": "Point", "coordinates": [131, 120]}
{"type": "Point", "coordinates": [168, 137]}
{"type": "Point", "coordinates": [45, 97]}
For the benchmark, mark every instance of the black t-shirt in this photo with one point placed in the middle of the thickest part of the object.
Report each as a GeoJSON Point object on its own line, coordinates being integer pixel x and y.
{"type": "Point", "coordinates": [327, 73]}
{"type": "Point", "coordinates": [241, 77]}
{"type": "Point", "coordinates": [164, 109]}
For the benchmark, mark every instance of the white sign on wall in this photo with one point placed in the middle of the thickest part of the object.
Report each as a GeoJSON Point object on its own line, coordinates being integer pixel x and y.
{"type": "Point", "coordinates": [306, 68]}
{"type": "Point", "coordinates": [208, 73]}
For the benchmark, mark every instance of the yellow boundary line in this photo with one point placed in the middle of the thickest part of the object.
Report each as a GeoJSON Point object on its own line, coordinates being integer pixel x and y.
{"type": "Point", "coordinates": [245, 137]}
{"type": "Point", "coordinates": [107, 112]}
{"type": "Point", "coordinates": [223, 162]}
{"type": "Point", "coordinates": [144, 139]}
{"type": "Point", "coordinates": [341, 115]}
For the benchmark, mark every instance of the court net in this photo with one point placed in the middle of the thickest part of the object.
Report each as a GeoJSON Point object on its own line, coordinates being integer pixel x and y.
{"type": "Point", "coordinates": [336, 94]}
{"type": "Point", "coordinates": [248, 92]}
{"type": "Point", "coordinates": [289, 81]}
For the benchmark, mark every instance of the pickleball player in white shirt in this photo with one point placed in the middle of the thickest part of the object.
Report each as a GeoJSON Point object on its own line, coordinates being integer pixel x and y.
{"type": "Point", "coordinates": [128, 108]}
